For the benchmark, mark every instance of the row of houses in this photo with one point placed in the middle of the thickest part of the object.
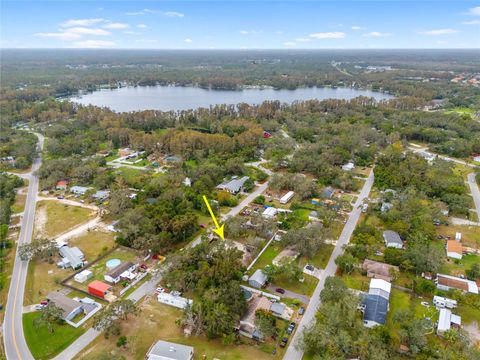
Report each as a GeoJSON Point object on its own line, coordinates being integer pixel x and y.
{"type": "Point", "coordinates": [100, 195]}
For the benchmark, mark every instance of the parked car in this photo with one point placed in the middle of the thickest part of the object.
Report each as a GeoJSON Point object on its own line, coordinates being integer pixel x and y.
{"type": "Point", "coordinates": [176, 293]}
{"type": "Point", "coordinates": [280, 290]}
{"type": "Point", "coordinates": [291, 327]}
{"type": "Point", "coordinates": [143, 266]}
{"type": "Point", "coordinates": [39, 307]}
{"type": "Point", "coordinates": [202, 226]}
{"type": "Point", "coordinates": [301, 311]}
{"type": "Point", "coordinates": [44, 302]}
{"type": "Point", "coordinates": [310, 268]}
{"type": "Point", "coordinates": [284, 342]}
{"type": "Point", "coordinates": [160, 289]}
{"type": "Point", "coordinates": [61, 197]}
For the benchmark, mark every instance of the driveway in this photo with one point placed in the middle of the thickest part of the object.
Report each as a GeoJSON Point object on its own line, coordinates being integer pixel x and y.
{"type": "Point", "coordinates": [289, 294]}
{"type": "Point", "coordinates": [292, 352]}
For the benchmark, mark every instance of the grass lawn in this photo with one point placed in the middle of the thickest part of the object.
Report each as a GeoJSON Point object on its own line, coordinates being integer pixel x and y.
{"type": "Point", "coordinates": [42, 278]}
{"type": "Point", "coordinates": [157, 321]}
{"type": "Point", "coordinates": [60, 217]}
{"type": "Point", "coordinates": [94, 243]}
{"type": "Point", "coordinates": [42, 343]}
{"type": "Point", "coordinates": [268, 255]}
{"type": "Point", "coordinates": [356, 281]}
{"type": "Point", "coordinates": [460, 111]}
{"type": "Point", "coordinates": [19, 204]}
{"type": "Point", "coordinates": [320, 259]}
{"type": "Point", "coordinates": [458, 267]}
{"type": "Point", "coordinates": [468, 313]}
{"type": "Point", "coordinates": [307, 287]}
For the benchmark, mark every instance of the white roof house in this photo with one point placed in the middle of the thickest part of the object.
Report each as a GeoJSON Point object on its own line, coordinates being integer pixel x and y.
{"type": "Point", "coordinates": [172, 300]}
{"type": "Point", "coordinates": [79, 190]}
{"type": "Point", "coordinates": [270, 212]}
{"type": "Point", "coordinates": [446, 320]}
{"type": "Point", "coordinates": [164, 350]}
{"type": "Point", "coordinates": [258, 279]}
{"type": "Point", "coordinates": [348, 166]}
{"type": "Point", "coordinates": [83, 276]}
{"type": "Point", "coordinates": [380, 286]}
{"type": "Point", "coordinates": [287, 197]}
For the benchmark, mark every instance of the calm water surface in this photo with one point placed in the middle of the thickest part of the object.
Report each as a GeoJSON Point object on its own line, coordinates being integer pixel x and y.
{"type": "Point", "coordinates": [167, 98]}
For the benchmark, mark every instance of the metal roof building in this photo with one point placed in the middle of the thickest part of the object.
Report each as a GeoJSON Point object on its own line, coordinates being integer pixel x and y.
{"type": "Point", "coordinates": [392, 239]}
{"type": "Point", "coordinates": [164, 350]}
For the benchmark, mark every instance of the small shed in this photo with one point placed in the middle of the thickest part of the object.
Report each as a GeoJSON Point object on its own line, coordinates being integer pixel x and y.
{"type": "Point", "coordinates": [99, 289]}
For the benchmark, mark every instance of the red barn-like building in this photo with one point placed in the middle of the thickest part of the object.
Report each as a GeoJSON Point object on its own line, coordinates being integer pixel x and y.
{"type": "Point", "coordinates": [99, 289]}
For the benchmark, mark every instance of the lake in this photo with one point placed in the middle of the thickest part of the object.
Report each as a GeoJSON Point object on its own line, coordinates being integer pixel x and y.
{"type": "Point", "coordinates": [167, 98]}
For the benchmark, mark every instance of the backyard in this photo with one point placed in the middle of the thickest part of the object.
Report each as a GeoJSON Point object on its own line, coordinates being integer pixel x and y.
{"type": "Point", "coordinates": [53, 218]}
{"type": "Point", "coordinates": [94, 243]}
{"type": "Point", "coordinates": [44, 344]}
{"type": "Point", "coordinates": [157, 321]}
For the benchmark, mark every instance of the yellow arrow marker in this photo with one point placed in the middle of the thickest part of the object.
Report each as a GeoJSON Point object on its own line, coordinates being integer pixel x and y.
{"type": "Point", "coordinates": [219, 229]}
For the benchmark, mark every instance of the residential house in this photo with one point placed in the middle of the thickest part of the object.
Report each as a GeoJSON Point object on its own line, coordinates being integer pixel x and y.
{"type": "Point", "coordinates": [287, 197]}
{"type": "Point", "coordinates": [392, 239]}
{"type": "Point", "coordinates": [447, 282]}
{"type": "Point", "coordinates": [375, 303]}
{"type": "Point", "coordinates": [124, 271]}
{"type": "Point", "coordinates": [61, 185]}
{"type": "Point", "coordinates": [287, 255]}
{"type": "Point", "coordinates": [71, 257]}
{"type": "Point", "coordinates": [79, 190]}
{"type": "Point", "coordinates": [165, 350]}
{"type": "Point", "coordinates": [447, 320]}
{"type": "Point", "coordinates": [233, 186]}
{"type": "Point", "coordinates": [258, 279]}
{"type": "Point", "coordinates": [348, 166]}
{"type": "Point", "coordinates": [101, 195]}
{"type": "Point", "coordinates": [328, 192]}
{"type": "Point", "coordinates": [454, 249]}
{"type": "Point", "coordinates": [379, 270]}
{"type": "Point", "coordinates": [70, 307]}
{"type": "Point", "coordinates": [281, 310]}
{"type": "Point", "coordinates": [270, 212]}
{"type": "Point", "coordinates": [172, 300]}
{"type": "Point", "coordinates": [476, 158]}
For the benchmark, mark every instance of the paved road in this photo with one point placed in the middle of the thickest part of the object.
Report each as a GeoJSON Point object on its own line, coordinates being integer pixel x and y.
{"type": "Point", "coordinates": [417, 149]}
{"type": "Point", "coordinates": [15, 346]}
{"type": "Point", "coordinates": [292, 352]}
{"type": "Point", "coordinates": [289, 294]}
{"type": "Point", "coordinates": [475, 192]}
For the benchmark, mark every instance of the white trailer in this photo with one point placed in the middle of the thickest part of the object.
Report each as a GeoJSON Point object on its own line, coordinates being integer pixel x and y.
{"type": "Point", "coordinates": [442, 302]}
{"type": "Point", "coordinates": [287, 197]}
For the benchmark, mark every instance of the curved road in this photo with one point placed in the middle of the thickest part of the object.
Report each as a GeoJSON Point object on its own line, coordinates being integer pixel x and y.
{"type": "Point", "coordinates": [15, 345]}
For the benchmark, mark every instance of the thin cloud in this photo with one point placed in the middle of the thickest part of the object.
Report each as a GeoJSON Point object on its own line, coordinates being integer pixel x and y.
{"type": "Point", "coordinates": [94, 44]}
{"type": "Point", "coordinates": [436, 32]}
{"type": "Point", "coordinates": [81, 22]}
{"type": "Point", "coordinates": [328, 35]}
{"type": "Point", "coordinates": [471, 22]}
{"type": "Point", "coordinates": [65, 36]}
{"type": "Point", "coordinates": [141, 12]}
{"type": "Point", "coordinates": [147, 41]}
{"type": "Point", "coordinates": [132, 32]}
{"type": "Point", "coordinates": [174, 14]}
{"type": "Point", "coordinates": [289, 43]}
{"type": "Point", "coordinates": [356, 28]}
{"type": "Point", "coordinates": [87, 31]}
{"type": "Point", "coordinates": [188, 41]}
{"type": "Point", "coordinates": [442, 42]}
{"type": "Point", "coordinates": [376, 34]}
{"type": "Point", "coordinates": [475, 11]}
{"type": "Point", "coordinates": [303, 40]}
{"type": "Point", "coordinates": [142, 26]}
{"type": "Point", "coordinates": [116, 26]}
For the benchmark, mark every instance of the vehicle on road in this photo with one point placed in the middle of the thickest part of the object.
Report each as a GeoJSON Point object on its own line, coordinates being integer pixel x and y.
{"type": "Point", "coordinates": [301, 311]}
{"type": "Point", "coordinates": [280, 290]}
{"type": "Point", "coordinates": [61, 197]}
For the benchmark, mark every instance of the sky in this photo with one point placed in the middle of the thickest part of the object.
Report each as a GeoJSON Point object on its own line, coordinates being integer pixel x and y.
{"type": "Point", "coordinates": [240, 24]}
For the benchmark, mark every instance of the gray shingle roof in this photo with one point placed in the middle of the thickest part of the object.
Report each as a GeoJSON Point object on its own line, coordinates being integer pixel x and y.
{"type": "Point", "coordinates": [277, 308]}
{"type": "Point", "coordinates": [391, 237]}
{"type": "Point", "coordinates": [234, 185]}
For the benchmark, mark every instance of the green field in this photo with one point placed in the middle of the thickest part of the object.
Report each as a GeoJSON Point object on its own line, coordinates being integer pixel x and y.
{"type": "Point", "coordinates": [42, 343]}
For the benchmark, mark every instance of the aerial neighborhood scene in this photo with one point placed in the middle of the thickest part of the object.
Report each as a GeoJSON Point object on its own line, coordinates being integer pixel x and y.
{"type": "Point", "coordinates": [238, 180]}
